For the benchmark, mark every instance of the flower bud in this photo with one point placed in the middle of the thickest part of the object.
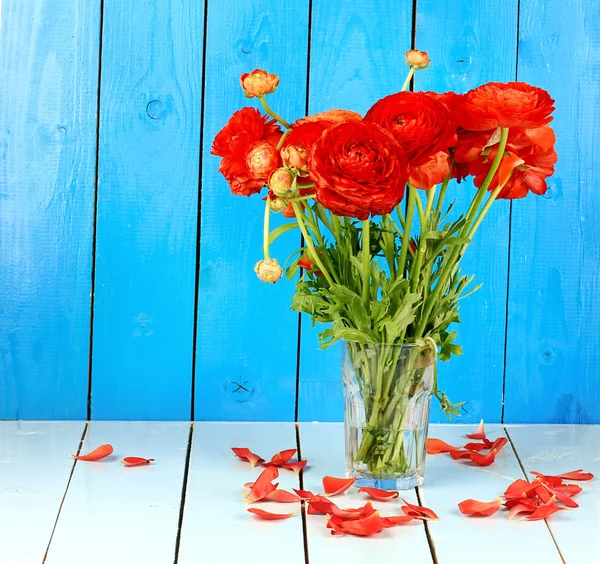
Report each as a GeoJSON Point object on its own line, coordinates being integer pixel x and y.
{"type": "Point", "coordinates": [277, 204]}
{"type": "Point", "coordinates": [417, 60]}
{"type": "Point", "coordinates": [296, 157]}
{"type": "Point", "coordinates": [258, 83]}
{"type": "Point", "coordinates": [281, 182]}
{"type": "Point", "coordinates": [261, 159]}
{"type": "Point", "coordinates": [268, 270]}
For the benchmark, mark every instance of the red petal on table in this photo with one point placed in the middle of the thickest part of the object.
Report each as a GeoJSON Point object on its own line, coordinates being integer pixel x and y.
{"type": "Point", "coordinates": [550, 480]}
{"type": "Point", "coordinates": [319, 505]}
{"type": "Point", "coordinates": [520, 508]}
{"type": "Point", "coordinates": [262, 486]}
{"type": "Point", "coordinates": [543, 494]}
{"type": "Point", "coordinates": [483, 459]}
{"type": "Point", "coordinates": [295, 466]}
{"type": "Point", "coordinates": [569, 489]}
{"type": "Point", "coordinates": [530, 502]}
{"type": "Point", "coordinates": [282, 457]}
{"type": "Point", "coordinates": [519, 488]}
{"type": "Point", "coordinates": [268, 516]}
{"type": "Point", "coordinates": [304, 494]}
{"type": "Point", "coordinates": [136, 461]}
{"type": "Point", "coordinates": [479, 434]}
{"type": "Point", "coordinates": [578, 475]}
{"type": "Point", "coordinates": [565, 499]}
{"type": "Point", "coordinates": [380, 495]}
{"type": "Point", "coordinates": [247, 455]}
{"type": "Point", "coordinates": [363, 527]}
{"type": "Point", "coordinates": [335, 486]}
{"type": "Point", "coordinates": [479, 508]}
{"type": "Point", "coordinates": [282, 496]}
{"type": "Point", "coordinates": [101, 452]}
{"type": "Point", "coordinates": [457, 454]}
{"type": "Point", "coordinates": [545, 510]}
{"type": "Point", "coordinates": [394, 520]}
{"type": "Point", "coordinates": [419, 512]}
{"type": "Point", "coordinates": [476, 447]}
{"type": "Point", "coordinates": [437, 446]}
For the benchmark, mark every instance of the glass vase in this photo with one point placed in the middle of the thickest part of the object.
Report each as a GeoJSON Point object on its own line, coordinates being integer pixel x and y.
{"type": "Point", "coordinates": [387, 393]}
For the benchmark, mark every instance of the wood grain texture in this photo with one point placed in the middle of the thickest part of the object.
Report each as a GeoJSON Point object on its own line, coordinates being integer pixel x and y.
{"type": "Point", "coordinates": [247, 335]}
{"type": "Point", "coordinates": [216, 525]}
{"type": "Point", "coordinates": [456, 536]}
{"type": "Point", "coordinates": [470, 43]}
{"type": "Point", "coordinates": [49, 69]}
{"type": "Point", "coordinates": [116, 514]}
{"type": "Point", "coordinates": [554, 449]}
{"type": "Point", "coordinates": [553, 338]}
{"type": "Point", "coordinates": [357, 56]}
{"type": "Point", "coordinates": [322, 444]}
{"type": "Point", "coordinates": [147, 209]}
{"type": "Point", "coordinates": [34, 472]}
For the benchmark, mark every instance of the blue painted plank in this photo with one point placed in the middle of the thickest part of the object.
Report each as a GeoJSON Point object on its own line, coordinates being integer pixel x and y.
{"type": "Point", "coordinates": [247, 335]}
{"type": "Point", "coordinates": [553, 348]}
{"type": "Point", "coordinates": [147, 209]}
{"type": "Point", "coordinates": [471, 43]}
{"type": "Point", "coordinates": [49, 69]}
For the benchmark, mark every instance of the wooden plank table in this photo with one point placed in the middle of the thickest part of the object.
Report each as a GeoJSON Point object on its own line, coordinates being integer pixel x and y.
{"type": "Point", "coordinates": [187, 507]}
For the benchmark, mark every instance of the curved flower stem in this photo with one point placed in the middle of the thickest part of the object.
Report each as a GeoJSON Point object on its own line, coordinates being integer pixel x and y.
{"type": "Point", "coordinates": [309, 242]}
{"type": "Point", "coordinates": [266, 228]}
{"type": "Point", "coordinates": [272, 113]}
{"type": "Point", "coordinates": [281, 141]}
{"type": "Point", "coordinates": [366, 262]}
{"type": "Point", "coordinates": [400, 215]}
{"type": "Point", "coordinates": [486, 208]}
{"type": "Point", "coordinates": [406, 84]}
{"type": "Point", "coordinates": [450, 265]}
{"type": "Point", "coordinates": [410, 212]}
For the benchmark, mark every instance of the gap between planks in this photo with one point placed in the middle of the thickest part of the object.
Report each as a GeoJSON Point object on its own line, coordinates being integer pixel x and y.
{"type": "Point", "coordinates": [184, 484]}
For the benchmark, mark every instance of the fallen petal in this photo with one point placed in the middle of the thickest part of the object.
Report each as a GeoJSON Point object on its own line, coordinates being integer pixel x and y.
{"type": "Point", "coordinates": [304, 494]}
{"type": "Point", "coordinates": [319, 505]}
{"type": "Point", "coordinates": [437, 446]}
{"type": "Point", "coordinates": [282, 457]}
{"type": "Point", "coordinates": [476, 447]}
{"type": "Point", "coordinates": [418, 511]}
{"type": "Point", "coordinates": [545, 510]}
{"type": "Point", "coordinates": [529, 501]}
{"type": "Point", "coordinates": [268, 516]}
{"type": "Point", "coordinates": [458, 454]}
{"type": "Point", "coordinates": [282, 496]}
{"type": "Point", "coordinates": [335, 486]}
{"type": "Point", "coordinates": [263, 485]}
{"type": "Point", "coordinates": [518, 509]}
{"type": "Point", "coordinates": [479, 434]}
{"type": "Point", "coordinates": [483, 459]}
{"type": "Point", "coordinates": [578, 475]}
{"type": "Point", "coordinates": [364, 527]}
{"type": "Point", "coordinates": [246, 454]}
{"type": "Point", "coordinates": [549, 480]}
{"type": "Point", "coordinates": [380, 495]}
{"type": "Point", "coordinates": [519, 488]}
{"type": "Point", "coordinates": [479, 508]}
{"type": "Point", "coordinates": [295, 466]}
{"type": "Point", "coordinates": [395, 520]}
{"type": "Point", "coordinates": [101, 452]}
{"type": "Point", "coordinates": [136, 461]}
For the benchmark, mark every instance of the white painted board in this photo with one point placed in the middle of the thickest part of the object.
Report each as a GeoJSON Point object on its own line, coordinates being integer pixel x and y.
{"type": "Point", "coordinates": [555, 449]}
{"type": "Point", "coordinates": [216, 525]}
{"type": "Point", "coordinates": [322, 444]}
{"type": "Point", "coordinates": [116, 514]}
{"type": "Point", "coordinates": [457, 537]}
{"type": "Point", "coordinates": [34, 472]}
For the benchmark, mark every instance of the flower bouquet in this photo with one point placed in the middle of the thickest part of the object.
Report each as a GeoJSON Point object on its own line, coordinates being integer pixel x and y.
{"type": "Point", "coordinates": [381, 241]}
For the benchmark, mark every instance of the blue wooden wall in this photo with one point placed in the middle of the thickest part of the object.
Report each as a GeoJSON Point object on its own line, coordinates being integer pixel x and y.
{"type": "Point", "coordinates": [126, 282]}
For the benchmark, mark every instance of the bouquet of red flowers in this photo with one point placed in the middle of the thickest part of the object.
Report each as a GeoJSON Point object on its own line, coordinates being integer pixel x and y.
{"type": "Point", "coordinates": [381, 255]}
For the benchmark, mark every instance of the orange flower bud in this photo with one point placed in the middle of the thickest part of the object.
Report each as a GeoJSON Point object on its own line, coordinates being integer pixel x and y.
{"type": "Point", "coordinates": [261, 159]}
{"type": "Point", "coordinates": [268, 270]}
{"type": "Point", "coordinates": [277, 204]}
{"type": "Point", "coordinates": [281, 182]}
{"type": "Point", "coordinates": [258, 83]}
{"type": "Point", "coordinates": [416, 59]}
{"type": "Point", "coordinates": [296, 157]}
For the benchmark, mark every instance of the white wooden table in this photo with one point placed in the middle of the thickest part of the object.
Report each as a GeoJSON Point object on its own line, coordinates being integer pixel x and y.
{"type": "Point", "coordinates": [187, 507]}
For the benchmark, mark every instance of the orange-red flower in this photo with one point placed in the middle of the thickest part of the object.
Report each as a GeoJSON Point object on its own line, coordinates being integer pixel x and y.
{"type": "Point", "coordinates": [262, 158]}
{"type": "Point", "coordinates": [332, 115]}
{"type": "Point", "coordinates": [258, 83]}
{"type": "Point", "coordinates": [245, 128]}
{"type": "Point", "coordinates": [300, 141]}
{"type": "Point", "coordinates": [424, 128]}
{"type": "Point", "coordinates": [496, 104]}
{"type": "Point", "coordinates": [358, 169]}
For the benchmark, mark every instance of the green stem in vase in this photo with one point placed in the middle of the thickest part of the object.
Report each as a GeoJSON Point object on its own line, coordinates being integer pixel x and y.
{"type": "Point", "coordinates": [410, 212]}
{"type": "Point", "coordinates": [366, 262]}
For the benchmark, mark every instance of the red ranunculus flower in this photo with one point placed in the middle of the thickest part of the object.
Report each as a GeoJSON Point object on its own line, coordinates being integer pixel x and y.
{"type": "Point", "coordinates": [495, 104]}
{"type": "Point", "coordinates": [359, 169]}
{"type": "Point", "coordinates": [424, 127]}
{"type": "Point", "coordinates": [332, 115]}
{"type": "Point", "coordinates": [243, 130]}
{"type": "Point", "coordinates": [300, 141]}
{"type": "Point", "coordinates": [529, 156]}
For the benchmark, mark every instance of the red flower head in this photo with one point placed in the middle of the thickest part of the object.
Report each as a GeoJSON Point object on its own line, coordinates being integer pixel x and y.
{"type": "Point", "coordinates": [359, 169]}
{"type": "Point", "coordinates": [300, 141]}
{"type": "Point", "coordinates": [245, 128]}
{"type": "Point", "coordinates": [514, 104]}
{"type": "Point", "coordinates": [424, 127]}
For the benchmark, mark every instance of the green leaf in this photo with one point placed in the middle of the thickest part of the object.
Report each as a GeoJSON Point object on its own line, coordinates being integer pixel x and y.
{"type": "Point", "coordinates": [278, 231]}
